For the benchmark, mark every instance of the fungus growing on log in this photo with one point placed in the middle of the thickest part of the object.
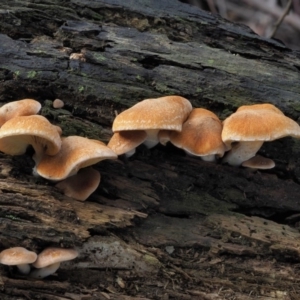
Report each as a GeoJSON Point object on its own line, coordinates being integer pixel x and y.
{"type": "Point", "coordinates": [259, 162]}
{"type": "Point", "coordinates": [81, 185]}
{"type": "Point", "coordinates": [57, 103]}
{"type": "Point", "coordinates": [76, 152]}
{"type": "Point", "coordinates": [152, 115]}
{"type": "Point", "coordinates": [200, 135]}
{"type": "Point", "coordinates": [48, 261]}
{"type": "Point", "coordinates": [252, 125]}
{"type": "Point", "coordinates": [18, 256]}
{"type": "Point", "coordinates": [24, 107]}
{"type": "Point", "coordinates": [20, 132]}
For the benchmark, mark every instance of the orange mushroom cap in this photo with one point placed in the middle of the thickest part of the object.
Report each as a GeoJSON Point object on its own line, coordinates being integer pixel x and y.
{"type": "Point", "coordinates": [200, 135]}
{"type": "Point", "coordinates": [259, 162]}
{"type": "Point", "coordinates": [260, 122]}
{"type": "Point", "coordinates": [24, 107]}
{"type": "Point", "coordinates": [251, 126]}
{"type": "Point", "coordinates": [20, 132]}
{"type": "Point", "coordinates": [54, 255]}
{"type": "Point", "coordinates": [81, 185]}
{"type": "Point", "coordinates": [161, 113]}
{"type": "Point", "coordinates": [18, 256]}
{"type": "Point", "coordinates": [76, 152]}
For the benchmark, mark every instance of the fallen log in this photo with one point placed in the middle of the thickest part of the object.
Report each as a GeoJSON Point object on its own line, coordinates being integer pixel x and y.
{"type": "Point", "coordinates": [161, 225]}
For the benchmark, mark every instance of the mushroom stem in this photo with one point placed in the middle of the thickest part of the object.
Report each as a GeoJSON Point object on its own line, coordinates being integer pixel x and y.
{"type": "Point", "coordinates": [24, 268]}
{"type": "Point", "coordinates": [241, 152]}
{"type": "Point", "coordinates": [152, 138]}
{"type": "Point", "coordinates": [130, 153]}
{"type": "Point", "coordinates": [209, 158]}
{"type": "Point", "coordinates": [164, 136]}
{"type": "Point", "coordinates": [46, 271]}
{"type": "Point", "coordinates": [38, 154]}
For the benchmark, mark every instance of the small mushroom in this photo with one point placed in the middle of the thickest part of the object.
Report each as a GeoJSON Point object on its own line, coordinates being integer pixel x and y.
{"type": "Point", "coordinates": [81, 185]}
{"type": "Point", "coordinates": [20, 132]}
{"type": "Point", "coordinates": [48, 261]}
{"type": "Point", "coordinates": [200, 135]}
{"type": "Point", "coordinates": [76, 152]}
{"type": "Point", "coordinates": [252, 125]}
{"type": "Point", "coordinates": [259, 162]}
{"type": "Point", "coordinates": [152, 115]}
{"type": "Point", "coordinates": [18, 256]}
{"type": "Point", "coordinates": [24, 107]}
{"type": "Point", "coordinates": [57, 103]}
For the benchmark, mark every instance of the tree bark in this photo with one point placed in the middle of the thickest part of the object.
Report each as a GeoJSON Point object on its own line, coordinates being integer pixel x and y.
{"type": "Point", "coordinates": [161, 225]}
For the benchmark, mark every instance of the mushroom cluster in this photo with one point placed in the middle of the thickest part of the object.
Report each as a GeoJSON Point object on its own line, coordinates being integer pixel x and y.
{"type": "Point", "coordinates": [199, 132]}
{"type": "Point", "coordinates": [56, 158]}
{"type": "Point", "coordinates": [68, 160]}
{"type": "Point", "coordinates": [45, 264]}
{"type": "Point", "coordinates": [142, 122]}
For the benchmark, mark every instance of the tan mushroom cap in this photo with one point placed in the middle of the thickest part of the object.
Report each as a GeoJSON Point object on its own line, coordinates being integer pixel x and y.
{"type": "Point", "coordinates": [76, 152]}
{"type": "Point", "coordinates": [161, 113]}
{"type": "Point", "coordinates": [57, 103]}
{"type": "Point", "coordinates": [81, 185]}
{"type": "Point", "coordinates": [17, 256]}
{"type": "Point", "coordinates": [266, 106]}
{"type": "Point", "coordinates": [126, 141]}
{"type": "Point", "coordinates": [260, 122]}
{"type": "Point", "coordinates": [200, 135]}
{"type": "Point", "coordinates": [20, 132]}
{"type": "Point", "coordinates": [259, 162]}
{"type": "Point", "coordinates": [54, 255]}
{"type": "Point", "coordinates": [24, 107]}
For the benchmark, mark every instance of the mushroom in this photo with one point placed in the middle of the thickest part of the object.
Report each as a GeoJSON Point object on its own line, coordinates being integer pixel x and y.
{"type": "Point", "coordinates": [152, 115]}
{"type": "Point", "coordinates": [48, 261]}
{"type": "Point", "coordinates": [81, 185]}
{"type": "Point", "coordinates": [126, 141]}
{"type": "Point", "coordinates": [200, 135]}
{"type": "Point", "coordinates": [20, 132]}
{"type": "Point", "coordinates": [25, 107]}
{"type": "Point", "coordinates": [76, 152]}
{"type": "Point", "coordinates": [259, 162]}
{"type": "Point", "coordinates": [250, 126]}
{"type": "Point", "coordinates": [57, 103]}
{"type": "Point", "coordinates": [18, 256]}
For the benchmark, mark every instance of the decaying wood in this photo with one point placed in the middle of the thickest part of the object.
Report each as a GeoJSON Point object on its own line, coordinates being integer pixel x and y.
{"type": "Point", "coordinates": [161, 225]}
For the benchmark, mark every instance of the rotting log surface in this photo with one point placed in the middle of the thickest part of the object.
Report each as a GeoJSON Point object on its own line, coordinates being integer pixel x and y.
{"type": "Point", "coordinates": [161, 225]}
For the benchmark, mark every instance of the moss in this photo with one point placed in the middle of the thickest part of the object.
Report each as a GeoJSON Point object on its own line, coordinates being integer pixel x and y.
{"type": "Point", "coordinates": [139, 78]}
{"type": "Point", "coordinates": [81, 89]}
{"type": "Point", "coordinates": [163, 88]}
{"type": "Point", "coordinates": [16, 74]}
{"type": "Point", "coordinates": [152, 260]}
{"type": "Point", "coordinates": [32, 74]}
{"type": "Point", "coordinates": [295, 106]}
{"type": "Point", "coordinates": [72, 126]}
{"type": "Point", "coordinates": [210, 62]}
{"type": "Point", "coordinates": [53, 113]}
{"type": "Point", "coordinates": [12, 217]}
{"type": "Point", "coordinates": [99, 57]}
